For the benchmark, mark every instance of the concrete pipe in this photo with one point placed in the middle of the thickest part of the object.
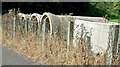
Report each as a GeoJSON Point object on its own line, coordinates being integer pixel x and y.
{"type": "Point", "coordinates": [35, 17]}
{"type": "Point", "coordinates": [21, 16]}
{"type": "Point", "coordinates": [23, 22]}
{"type": "Point", "coordinates": [51, 23]}
{"type": "Point", "coordinates": [86, 18]}
{"type": "Point", "coordinates": [60, 25]}
{"type": "Point", "coordinates": [55, 23]}
{"type": "Point", "coordinates": [35, 22]}
{"type": "Point", "coordinates": [91, 19]}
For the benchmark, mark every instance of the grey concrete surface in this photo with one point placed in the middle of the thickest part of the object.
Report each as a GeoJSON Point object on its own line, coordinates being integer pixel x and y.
{"type": "Point", "coordinates": [11, 58]}
{"type": "Point", "coordinates": [0, 55]}
{"type": "Point", "coordinates": [96, 32]}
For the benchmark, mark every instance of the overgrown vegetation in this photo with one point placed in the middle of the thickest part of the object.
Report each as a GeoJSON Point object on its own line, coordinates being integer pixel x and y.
{"type": "Point", "coordinates": [109, 10]}
{"type": "Point", "coordinates": [53, 51]}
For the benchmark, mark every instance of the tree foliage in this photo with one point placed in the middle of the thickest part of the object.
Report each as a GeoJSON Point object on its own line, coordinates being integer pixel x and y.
{"type": "Point", "coordinates": [109, 10]}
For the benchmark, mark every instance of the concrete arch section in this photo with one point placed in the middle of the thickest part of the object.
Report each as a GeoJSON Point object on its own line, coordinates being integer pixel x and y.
{"type": "Point", "coordinates": [55, 23]}
{"type": "Point", "coordinates": [49, 21]}
{"type": "Point", "coordinates": [35, 17]}
{"type": "Point", "coordinates": [34, 22]}
{"type": "Point", "coordinates": [87, 18]}
{"type": "Point", "coordinates": [99, 34]}
{"type": "Point", "coordinates": [91, 19]}
{"type": "Point", "coordinates": [101, 37]}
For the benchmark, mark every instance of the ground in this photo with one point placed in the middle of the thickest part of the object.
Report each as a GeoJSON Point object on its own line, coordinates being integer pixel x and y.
{"type": "Point", "coordinates": [11, 58]}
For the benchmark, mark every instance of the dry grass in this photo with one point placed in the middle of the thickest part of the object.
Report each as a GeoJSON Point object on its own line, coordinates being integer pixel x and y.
{"type": "Point", "coordinates": [0, 35]}
{"type": "Point", "coordinates": [53, 52]}
{"type": "Point", "coordinates": [0, 29]}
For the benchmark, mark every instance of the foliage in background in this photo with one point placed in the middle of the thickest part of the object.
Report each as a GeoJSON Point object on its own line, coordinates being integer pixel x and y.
{"type": "Point", "coordinates": [109, 10]}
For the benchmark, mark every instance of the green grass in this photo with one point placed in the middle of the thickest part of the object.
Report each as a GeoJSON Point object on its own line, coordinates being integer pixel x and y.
{"type": "Point", "coordinates": [114, 20]}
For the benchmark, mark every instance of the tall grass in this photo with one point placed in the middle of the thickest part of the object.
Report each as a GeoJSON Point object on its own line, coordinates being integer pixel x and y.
{"type": "Point", "coordinates": [0, 28]}
{"type": "Point", "coordinates": [53, 51]}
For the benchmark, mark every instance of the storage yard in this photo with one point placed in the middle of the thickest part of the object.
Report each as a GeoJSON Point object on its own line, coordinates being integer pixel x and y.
{"type": "Point", "coordinates": [62, 39]}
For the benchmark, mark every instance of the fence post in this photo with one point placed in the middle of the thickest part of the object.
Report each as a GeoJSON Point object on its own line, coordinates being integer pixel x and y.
{"type": "Point", "coordinates": [38, 30]}
{"type": "Point", "coordinates": [110, 49]}
{"type": "Point", "coordinates": [118, 44]}
{"type": "Point", "coordinates": [43, 34]}
{"type": "Point", "coordinates": [118, 40]}
{"type": "Point", "coordinates": [14, 28]}
{"type": "Point", "coordinates": [68, 36]}
{"type": "Point", "coordinates": [26, 32]}
{"type": "Point", "coordinates": [25, 28]}
{"type": "Point", "coordinates": [116, 34]}
{"type": "Point", "coordinates": [32, 25]}
{"type": "Point", "coordinates": [111, 54]}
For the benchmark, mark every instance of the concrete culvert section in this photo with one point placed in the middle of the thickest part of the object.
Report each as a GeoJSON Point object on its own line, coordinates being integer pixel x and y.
{"type": "Point", "coordinates": [55, 25]}
{"type": "Point", "coordinates": [91, 19]}
{"type": "Point", "coordinates": [58, 23]}
{"type": "Point", "coordinates": [47, 25]}
{"type": "Point", "coordinates": [87, 18]}
{"type": "Point", "coordinates": [34, 22]}
{"type": "Point", "coordinates": [62, 39]}
{"type": "Point", "coordinates": [101, 38]}
{"type": "Point", "coordinates": [22, 16]}
{"type": "Point", "coordinates": [35, 17]}
{"type": "Point", "coordinates": [51, 22]}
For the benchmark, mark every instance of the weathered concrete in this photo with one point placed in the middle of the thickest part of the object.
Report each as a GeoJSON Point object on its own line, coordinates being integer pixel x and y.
{"type": "Point", "coordinates": [98, 33]}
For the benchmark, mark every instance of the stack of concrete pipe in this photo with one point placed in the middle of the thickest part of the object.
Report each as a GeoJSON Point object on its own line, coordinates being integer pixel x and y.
{"type": "Point", "coordinates": [57, 20]}
{"type": "Point", "coordinates": [29, 21]}
{"type": "Point", "coordinates": [56, 23]}
{"type": "Point", "coordinates": [35, 22]}
{"type": "Point", "coordinates": [61, 24]}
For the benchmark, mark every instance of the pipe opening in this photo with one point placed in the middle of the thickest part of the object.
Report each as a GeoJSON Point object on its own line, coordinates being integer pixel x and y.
{"type": "Point", "coordinates": [22, 18]}
{"type": "Point", "coordinates": [34, 18]}
{"type": "Point", "coordinates": [45, 23]}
